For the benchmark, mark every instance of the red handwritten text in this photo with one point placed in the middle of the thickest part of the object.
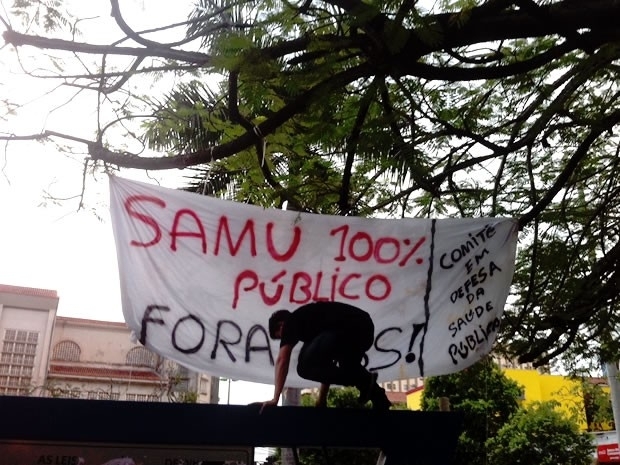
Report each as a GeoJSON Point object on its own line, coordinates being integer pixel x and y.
{"type": "Point", "coordinates": [187, 224]}
{"type": "Point", "coordinates": [385, 250]}
{"type": "Point", "coordinates": [304, 287]}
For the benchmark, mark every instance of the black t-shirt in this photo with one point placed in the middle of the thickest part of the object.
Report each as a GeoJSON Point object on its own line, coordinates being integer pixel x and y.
{"type": "Point", "coordinates": [310, 320]}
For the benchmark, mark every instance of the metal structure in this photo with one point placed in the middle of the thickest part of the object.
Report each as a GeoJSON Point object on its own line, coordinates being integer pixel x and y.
{"type": "Point", "coordinates": [403, 437]}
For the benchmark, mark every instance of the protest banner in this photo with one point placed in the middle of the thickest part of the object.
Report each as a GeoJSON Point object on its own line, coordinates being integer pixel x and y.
{"type": "Point", "coordinates": [200, 277]}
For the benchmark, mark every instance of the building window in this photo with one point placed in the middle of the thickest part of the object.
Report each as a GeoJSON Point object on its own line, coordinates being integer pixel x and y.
{"type": "Point", "coordinates": [393, 387]}
{"type": "Point", "coordinates": [141, 357]}
{"type": "Point", "coordinates": [67, 351]}
{"type": "Point", "coordinates": [180, 379]}
{"type": "Point", "coordinates": [204, 386]}
{"type": "Point", "coordinates": [142, 397]}
{"type": "Point", "coordinates": [103, 395]}
{"type": "Point", "coordinates": [67, 392]}
{"type": "Point", "coordinates": [17, 361]}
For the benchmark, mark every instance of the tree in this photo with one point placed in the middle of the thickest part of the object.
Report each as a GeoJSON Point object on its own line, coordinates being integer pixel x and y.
{"type": "Point", "coordinates": [459, 108]}
{"type": "Point", "coordinates": [487, 399]}
{"type": "Point", "coordinates": [596, 406]}
{"type": "Point", "coordinates": [540, 434]}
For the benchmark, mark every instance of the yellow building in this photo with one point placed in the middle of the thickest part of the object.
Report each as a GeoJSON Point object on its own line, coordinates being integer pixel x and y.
{"type": "Point", "coordinates": [537, 387]}
{"type": "Point", "coordinates": [545, 387]}
{"type": "Point", "coordinates": [414, 398]}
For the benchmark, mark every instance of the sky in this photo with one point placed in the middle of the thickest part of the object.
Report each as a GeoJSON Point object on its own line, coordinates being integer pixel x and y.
{"type": "Point", "coordinates": [46, 239]}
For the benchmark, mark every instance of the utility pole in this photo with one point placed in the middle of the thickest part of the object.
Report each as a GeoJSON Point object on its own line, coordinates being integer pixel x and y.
{"type": "Point", "coordinates": [290, 397]}
{"type": "Point", "coordinates": [614, 389]}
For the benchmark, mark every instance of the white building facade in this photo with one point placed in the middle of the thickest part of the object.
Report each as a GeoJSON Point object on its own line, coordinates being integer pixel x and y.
{"type": "Point", "coordinates": [43, 354]}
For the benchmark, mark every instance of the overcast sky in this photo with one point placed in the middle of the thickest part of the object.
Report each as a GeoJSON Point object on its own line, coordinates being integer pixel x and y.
{"type": "Point", "coordinates": [45, 242]}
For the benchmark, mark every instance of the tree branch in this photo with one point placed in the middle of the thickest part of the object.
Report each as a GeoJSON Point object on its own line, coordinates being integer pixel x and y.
{"type": "Point", "coordinates": [351, 147]}
{"type": "Point", "coordinates": [242, 142]}
{"type": "Point", "coordinates": [236, 117]}
{"type": "Point", "coordinates": [44, 135]}
{"type": "Point", "coordinates": [604, 125]}
{"type": "Point", "coordinates": [18, 40]}
{"type": "Point", "coordinates": [453, 74]}
{"type": "Point", "coordinates": [122, 24]}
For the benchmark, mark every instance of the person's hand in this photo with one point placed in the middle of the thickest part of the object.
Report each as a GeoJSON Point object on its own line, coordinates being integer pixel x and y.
{"type": "Point", "coordinates": [269, 403]}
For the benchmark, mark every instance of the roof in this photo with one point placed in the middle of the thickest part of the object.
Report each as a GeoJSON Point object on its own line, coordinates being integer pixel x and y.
{"type": "Point", "coordinates": [89, 322]}
{"type": "Point", "coordinates": [123, 373]}
{"type": "Point", "coordinates": [415, 389]}
{"type": "Point", "coordinates": [598, 381]}
{"type": "Point", "coordinates": [31, 291]}
{"type": "Point", "coordinates": [396, 397]}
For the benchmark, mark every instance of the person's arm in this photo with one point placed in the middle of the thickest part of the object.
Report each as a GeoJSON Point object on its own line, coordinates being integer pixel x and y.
{"type": "Point", "coordinates": [281, 371]}
{"type": "Point", "coordinates": [323, 391]}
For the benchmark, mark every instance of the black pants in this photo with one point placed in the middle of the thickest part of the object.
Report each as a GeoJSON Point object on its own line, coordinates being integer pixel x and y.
{"type": "Point", "coordinates": [336, 358]}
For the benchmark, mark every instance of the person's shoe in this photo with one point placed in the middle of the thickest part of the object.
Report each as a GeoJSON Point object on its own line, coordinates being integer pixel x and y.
{"type": "Point", "coordinates": [380, 400]}
{"type": "Point", "coordinates": [365, 391]}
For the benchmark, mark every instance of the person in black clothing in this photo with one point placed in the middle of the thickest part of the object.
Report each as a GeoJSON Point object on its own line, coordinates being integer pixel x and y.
{"type": "Point", "coordinates": [335, 338]}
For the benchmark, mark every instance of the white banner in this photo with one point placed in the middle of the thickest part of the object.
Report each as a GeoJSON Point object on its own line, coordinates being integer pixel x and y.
{"type": "Point", "coordinates": [201, 276]}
